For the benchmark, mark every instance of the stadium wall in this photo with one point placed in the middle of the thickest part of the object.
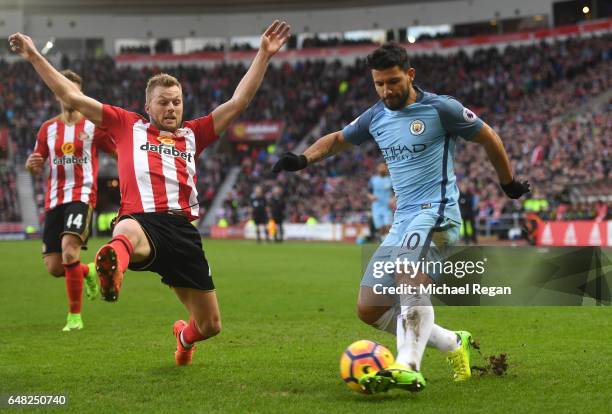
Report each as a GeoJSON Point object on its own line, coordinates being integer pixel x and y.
{"type": "Point", "coordinates": [114, 25]}
{"type": "Point", "coordinates": [348, 54]}
{"type": "Point", "coordinates": [297, 231]}
{"type": "Point", "coordinates": [575, 233]}
{"type": "Point", "coordinates": [551, 233]}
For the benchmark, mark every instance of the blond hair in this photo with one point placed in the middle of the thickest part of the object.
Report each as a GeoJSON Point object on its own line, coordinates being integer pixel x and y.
{"type": "Point", "coordinates": [161, 79]}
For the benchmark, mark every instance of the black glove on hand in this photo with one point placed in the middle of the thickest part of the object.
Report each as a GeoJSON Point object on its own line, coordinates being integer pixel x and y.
{"type": "Point", "coordinates": [290, 162]}
{"type": "Point", "coordinates": [515, 189]}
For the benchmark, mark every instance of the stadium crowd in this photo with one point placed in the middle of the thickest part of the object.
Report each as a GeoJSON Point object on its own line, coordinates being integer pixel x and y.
{"type": "Point", "coordinates": [525, 93]}
{"type": "Point", "coordinates": [9, 202]}
{"type": "Point", "coordinates": [316, 41]}
{"type": "Point", "coordinates": [294, 94]}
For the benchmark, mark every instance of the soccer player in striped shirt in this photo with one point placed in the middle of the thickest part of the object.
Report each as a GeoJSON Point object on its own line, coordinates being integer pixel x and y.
{"type": "Point", "coordinates": [71, 144]}
{"type": "Point", "coordinates": [156, 158]}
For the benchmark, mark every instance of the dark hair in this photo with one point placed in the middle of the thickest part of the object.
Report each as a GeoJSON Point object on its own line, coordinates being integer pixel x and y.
{"type": "Point", "coordinates": [72, 76]}
{"type": "Point", "coordinates": [387, 56]}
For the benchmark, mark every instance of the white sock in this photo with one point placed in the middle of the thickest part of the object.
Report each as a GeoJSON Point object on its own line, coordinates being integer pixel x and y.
{"type": "Point", "coordinates": [414, 326]}
{"type": "Point", "coordinates": [440, 338]}
{"type": "Point", "coordinates": [185, 344]}
{"type": "Point", "coordinates": [443, 339]}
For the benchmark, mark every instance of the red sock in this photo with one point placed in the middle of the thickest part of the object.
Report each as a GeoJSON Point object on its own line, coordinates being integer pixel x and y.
{"type": "Point", "coordinates": [123, 247]}
{"type": "Point", "coordinates": [191, 333]}
{"type": "Point", "coordinates": [74, 285]}
{"type": "Point", "coordinates": [85, 270]}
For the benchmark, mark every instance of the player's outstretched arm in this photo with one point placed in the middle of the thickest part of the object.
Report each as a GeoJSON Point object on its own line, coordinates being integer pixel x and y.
{"type": "Point", "coordinates": [494, 147]}
{"type": "Point", "coordinates": [322, 148]}
{"type": "Point", "coordinates": [271, 41]}
{"type": "Point", "coordinates": [63, 88]}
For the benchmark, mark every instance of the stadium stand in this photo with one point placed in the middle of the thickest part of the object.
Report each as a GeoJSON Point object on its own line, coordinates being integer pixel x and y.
{"type": "Point", "coordinates": [525, 92]}
{"type": "Point", "coordinates": [316, 41]}
{"type": "Point", "coordinates": [9, 202]}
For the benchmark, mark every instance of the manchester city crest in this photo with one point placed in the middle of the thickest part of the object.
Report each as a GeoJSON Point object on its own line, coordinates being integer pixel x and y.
{"type": "Point", "coordinates": [417, 127]}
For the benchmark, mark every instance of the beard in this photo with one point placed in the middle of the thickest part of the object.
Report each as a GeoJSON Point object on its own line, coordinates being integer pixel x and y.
{"type": "Point", "coordinates": [164, 124]}
{"type": "Point", "coordinates": [397, 103]}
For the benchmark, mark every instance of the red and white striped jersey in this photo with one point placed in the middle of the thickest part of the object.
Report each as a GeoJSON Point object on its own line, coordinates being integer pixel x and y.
{"type": "Point", "coordinates": [157, 169]}
{"type": "Point", "coordinates": [73, 160]}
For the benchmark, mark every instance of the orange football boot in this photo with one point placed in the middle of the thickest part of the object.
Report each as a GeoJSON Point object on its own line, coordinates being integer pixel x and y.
{"type": "Point", "coordinates": [107, 267]}
{"type": "Point", "coordinates": [183, 355]}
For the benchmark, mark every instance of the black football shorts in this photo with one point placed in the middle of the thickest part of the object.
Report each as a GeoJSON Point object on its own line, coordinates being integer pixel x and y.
{"type": "Point", "coordinates": [70, 218]}
{"type": "Point", "coordinates": [176, 251]}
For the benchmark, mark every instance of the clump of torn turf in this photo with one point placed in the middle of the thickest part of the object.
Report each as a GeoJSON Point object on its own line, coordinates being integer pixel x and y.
{"type": "Point", "coordinates": [494, 364]}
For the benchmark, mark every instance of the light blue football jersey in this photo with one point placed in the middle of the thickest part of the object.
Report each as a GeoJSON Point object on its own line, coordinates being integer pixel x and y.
{"type": "Point", "coordinates": [418, 145]}
{"type": "Point", "coordinates": [381, 188]}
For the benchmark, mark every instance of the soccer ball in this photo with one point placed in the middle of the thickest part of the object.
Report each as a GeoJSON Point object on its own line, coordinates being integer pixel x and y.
{"type": "Point", "coordinates": [360, 358]}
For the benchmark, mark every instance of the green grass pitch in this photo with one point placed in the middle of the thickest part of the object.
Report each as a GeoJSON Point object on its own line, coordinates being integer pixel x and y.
{"type": "Point", "coordinates": [288, 311]}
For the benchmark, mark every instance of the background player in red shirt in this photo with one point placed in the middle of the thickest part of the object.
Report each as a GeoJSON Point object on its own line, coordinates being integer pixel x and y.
{"type": "Point", "coordinates": [156, 160]}
{"type": "Point", "coordinates": [71, 144]}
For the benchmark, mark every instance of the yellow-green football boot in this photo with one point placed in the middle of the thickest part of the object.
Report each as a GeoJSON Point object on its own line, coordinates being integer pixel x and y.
{"type": "Point", "coordinates": [73, 322]}
{"type": "Point", "coordinates": [92, 290]}
{"type": "Point", "coordinates": [460, 359]}
{"type": "Point", "coordinates": [395, 376]}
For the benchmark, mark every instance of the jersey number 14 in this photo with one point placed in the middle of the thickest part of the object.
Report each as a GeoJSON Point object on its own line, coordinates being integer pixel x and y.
{"type": "Point", "coordinates": [77, 220]}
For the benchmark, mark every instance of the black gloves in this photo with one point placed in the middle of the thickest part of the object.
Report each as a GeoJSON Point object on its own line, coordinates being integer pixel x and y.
{"type": "Point", "coordinates": [290, 162]}
{"type": "Point", "coordinates": [515, 189]}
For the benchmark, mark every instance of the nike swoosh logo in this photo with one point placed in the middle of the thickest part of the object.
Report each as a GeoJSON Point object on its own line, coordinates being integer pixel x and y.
{"type": "Point", "coordinates": [379, 133]}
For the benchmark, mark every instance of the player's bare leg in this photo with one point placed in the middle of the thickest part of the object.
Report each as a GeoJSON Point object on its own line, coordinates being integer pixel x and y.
{"type": "Point", "coordinates": [129, 244]}
{"type": "Point", "coordinates": [53, 263]}
{"type": "Point", "coordinates": [204, 321]}
{"type": "Point", "coordinates": [371, 307]}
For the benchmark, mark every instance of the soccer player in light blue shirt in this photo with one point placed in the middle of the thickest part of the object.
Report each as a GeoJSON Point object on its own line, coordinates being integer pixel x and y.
{"type": "Point", "coordinates": [416, 132]}
{"type": "Point", "coordinates": [380, 194]}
